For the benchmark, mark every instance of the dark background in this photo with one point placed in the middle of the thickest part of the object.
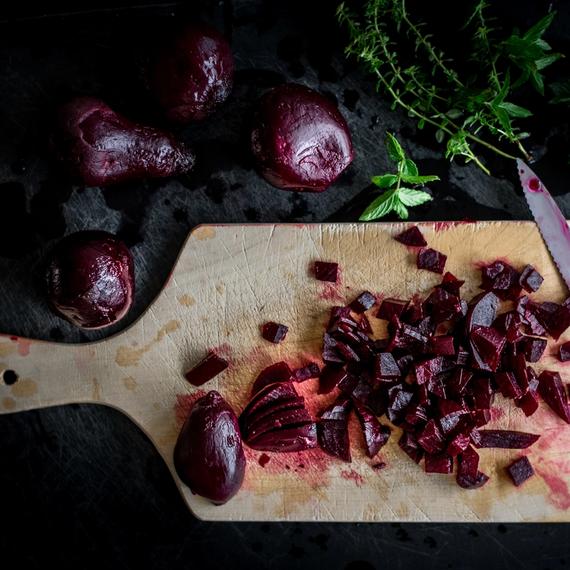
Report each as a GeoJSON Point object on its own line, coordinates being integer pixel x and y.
{"type": "Point", "coordinates": [82, 487]}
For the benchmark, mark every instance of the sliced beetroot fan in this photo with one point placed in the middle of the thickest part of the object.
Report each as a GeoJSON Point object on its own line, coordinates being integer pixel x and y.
{"type": "Point", "coordinates": [451, 284]}
{"type": "Point", "coordinates": [409, 444]}
{"type": "Point", "coordinates": [210, 367]}
{"type": "Point", "coordinates": [376, 435]}
{"type": "Point", "coordinates": [468, 474]}
{"type": "Point", "coordinates": [431, 438]}
{"type": "Point", "coordinates": [502, 279]}
{"type": "Point", "coordinates": [270, 396]}
{"type": "Point", "coordinates": [412, 237]}
{"type": "Point", "coordinates": [438, 463]}
{"type": "Point", "coordinates": [287, 439]}
{"type": "Point", "coordinates": [333, 438]}
{"type": "Point", "coordinates": [431, 260]}
{"type": "Point", "coordinates": [487, 345]}
{"type": "Point", "coordinates": [530, 279]}
{"type": "Point", "coordinates": [564, 352]}
{"type": "Point", "coordinates": [520, 471]}
{"type": "Point", "coordinates": [363, 302]}
{"type": "Point", "coordinates": [508, 385]}
{"type": "Point", "coordinates": [534, 348]}
{"type": "Point", "coordinates": [330, 378]}
{"type": "Point", "coordinates": [276, 420]}
{"type": "Point", "coordinates": [553, 392]}
{"type": "Point", "coordinates": [391, 308]}
{"type": "Point", "coordinates": [385, 367]}
{"type": "Point", "coordinates": [306, 372]}
{"type": "Point", "coordinates": [326, 271]}
{"type": "Point", "coordinates": [505, 439]}
{"type": "Point", "coordinates": [278, 372]}
{"type": "Point", "coordinates": [274, 332]}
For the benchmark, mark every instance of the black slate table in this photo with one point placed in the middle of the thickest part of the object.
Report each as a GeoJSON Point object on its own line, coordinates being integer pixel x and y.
{"type": "Point", "coordinates": [81, 486]}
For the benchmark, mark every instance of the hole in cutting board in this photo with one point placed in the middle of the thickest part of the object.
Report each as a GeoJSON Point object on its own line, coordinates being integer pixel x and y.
{"type": "Point", "coordinates": [9, 377]}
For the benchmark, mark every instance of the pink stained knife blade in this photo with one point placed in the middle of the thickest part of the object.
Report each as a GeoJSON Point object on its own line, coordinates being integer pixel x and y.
{"type": "Point", "coordinates": [549, 219]}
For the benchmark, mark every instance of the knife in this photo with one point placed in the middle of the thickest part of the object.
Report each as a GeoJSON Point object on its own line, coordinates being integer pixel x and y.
{"type": "Point", "coordinates": [549, 219]}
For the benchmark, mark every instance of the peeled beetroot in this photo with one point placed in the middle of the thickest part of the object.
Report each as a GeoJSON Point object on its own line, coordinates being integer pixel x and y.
{"type": "Point", "coordinates": [300, 141]}
{"type": "Point", "coordinates": [553, 392]}
{"type": "Point", "coordinates": [208, 455]}
{"type": "Point", "coordinates": [100, 147]}
{"type": "Point", "coordinates": [530, 279]}
{"type": "Point", "coordinates": [520, 471]}
{"type": "Point", "coordinates": [90, 279]}
{"type": "Point", "coordinates": [363, 302]}
{"type": "Point", "coordinates": [325, 271]}
{"type": "Point", "coordinates": [376, 435]}
{"type": "Point", "coordinates": [468, 474]}
{"type": "Point", "coordinates": [332, 429]}
{"type": "Point", "coordinates": [431, 260]}
{"type": "Point", "coordinates": [274, 332]}
{"type": "Point", "coordinates": [207, 369]}
{"type": "Point", "coordinates": [504, 439]}
{"type": "Point", "coordinates": [412, 237]}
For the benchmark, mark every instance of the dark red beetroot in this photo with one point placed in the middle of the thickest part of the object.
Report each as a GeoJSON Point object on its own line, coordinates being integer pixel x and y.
{"type": "Point", "coordinates": [274, 332]}
{"type": "Point", "coordinates": [300, 141]}
{"type": "Point", "coordinates": [268, 397]}
{"type": "Point", "coordinates": [306, 372]}
{"type": "Point", "coordinates": [412, 236]}
{"type": "Point", "coordinates": [431, 260]}
{"type": "Point", "coordinates": [363, 302]}
{"type": "Point", "coordinates": [502, 279]}
{"type": "Point", "coordinates": [192, 73]}
{"type": "Point", "coordinates": [504, 439]}
{"type": "Point", "coordinates": [325, 271]}
{"type": "Point", "coordinates": [330, 378]}
{"type": "Point", "coordinates": [208, 455]}
{"type": "Point", "coordinates": [468, 474]}
{"type": "Point", "coordinates": [376, 435]}
{"type": "Point", "coordinates": [287, 439]}
{"type": "Point", "coordinates": [487, 345]}
{"type": "Point", "coordinates": [278, 372]}
{"type": "Point", "coordinates": [534, 348]}
{"type": "Point", "coordinates": [207, 369]}
{"type": "Point", "coordinates": [451, 284]}
{"type": "Point", "coordinates": [520, 470]}
{"type": "Point", "coordinates": [530, 279]}
{"type": "Point", "coordinates": [332, 429]}
{"type": "Point", "coordinates": [564, 352]}
{"type": "Point", "coordinates": [100, 147]}
{"type": "Point", "coordinates": [391, 308]}
{"type": "Point", "coordinates": [90, 279]}
{"type": "Point", "coordinates": [439, 463]}
{"type": "Point", "coordinates": [552, 391]}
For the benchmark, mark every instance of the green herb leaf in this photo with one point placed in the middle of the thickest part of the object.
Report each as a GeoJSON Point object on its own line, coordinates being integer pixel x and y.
{"type": "Point", "coordinates": [395, 150]}
{"type": "Point", "coordinates": [536, 32]}
{"type": "Point", "coordinates": [419, 179]}
{"type": "Point", "coordinates": [515, 110]}
{"type": "Point", "coordinates": [409, 168]}
{"type": "Point", "coordinates": [401, 210]}
{"type": "Point", "coordinates": [385, 181]}
{"type": "Point", "coordinates": [381, 206]}
{"type": "Point", "coordinates": [411, 197]}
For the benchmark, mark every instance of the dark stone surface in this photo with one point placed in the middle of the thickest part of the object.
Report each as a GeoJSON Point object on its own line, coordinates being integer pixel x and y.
{"type": "Point", "coordinates": [81, 486]}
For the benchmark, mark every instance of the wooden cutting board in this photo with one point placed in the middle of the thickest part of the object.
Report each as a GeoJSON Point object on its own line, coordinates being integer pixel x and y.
{"type": "Point", "coordinates": [230, 279]}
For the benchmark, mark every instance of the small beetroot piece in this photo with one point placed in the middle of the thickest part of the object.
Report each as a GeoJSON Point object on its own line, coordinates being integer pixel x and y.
{"type": "Point", "coordinates": [487, 345]}
{"type": "Point", "coordinates": [338, 410]}
{"type": "Point", "coordinates": [564, 352]}
{"type": "Point", "coordinates": [509, 324]}
{"type": "Point", "coordinates": [427, 371]}
{"type": "Point", "coordinates": [534, 348]}
{"type": "Point", "coordinates": [363, 302]}
{"type": "Point", "coordinates": [502, 279]}
{"type": "Point", "coordinates": [364, 324]}
{"type": "Point", "coordinates": [553, 392]}
{"type": "Point", "coordinates": [391, 308]}
{"type": "Point", "coordinates": [416, 414]}
{"type": "Point", "coordinates": [376, 435]}
{"type": "Point", "coordinates": [330, 378]}
{"type": "Point", "coordinates": [458, 444]}
{"type": "Point", "coordinates": [505, 439]}
{"type": "Point", "coordinates": [451, 284]}
{"type": "Point", "coordinates": [278, 372]}
{"type": "Point", "coordinates": [287, 439]}
{"type": "Point", "coordinates": [530, 279]}
{"type": "Point", "coordinates": [555, 322]}
{"type": "Point", "coordinates": [530, 313]}
{"type": "Point", "coordinates": [398, 401]}
{"type": "Point", "coordinates": [385, 367]}
{"type": "Point", "coordinates": [306, 372]}
{"type": "Point", "coordinates": [458, 382]}
{"type": "Point", "coordinates": [413, 312]}
{"type": "Point", "coordinates": [431, 438]}
{"type": "Point", "coordinates": [333, 438]}
{"type": "Point", "coordinates": [210, 367]}
{"type": "Point", "coordinates": [442, 306]}
{"type": "Point", "coordinates": [468, 474]}
{"type": "Point", "coordinates": [431, 260]}
{"type": "Point", "coordinates": [508, 385]}
{"type": "Point", "coordinates": [326, 271]}
{"type": "Point", "coordinates": [412, 237]}
{"type": "Point", "coordinates": [481, 418]}
{"type": "Point", "coordinates": [274, 332]}
{"type": "Point", "coordinates": [438, 463]}
{"type": "Point", "coordinates": [482, 311]}
{"type": "Point", "coordinates": [528, 402]}
{"type": "Point", "coordinates": [409, 444]}
{"type": "Point", "coordinates": [520, 470]}
{"type": "Point", "coordinates": [442, 345]}
{"type": "Point", "coordinates": [483, 393]}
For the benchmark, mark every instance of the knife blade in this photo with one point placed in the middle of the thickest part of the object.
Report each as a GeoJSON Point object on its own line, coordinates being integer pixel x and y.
{"type": "Point", "coordinates": [549, 219]}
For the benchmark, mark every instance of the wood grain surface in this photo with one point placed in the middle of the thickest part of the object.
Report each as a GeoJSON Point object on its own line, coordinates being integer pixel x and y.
{"type": "Point", "coordinates": [228, 281]}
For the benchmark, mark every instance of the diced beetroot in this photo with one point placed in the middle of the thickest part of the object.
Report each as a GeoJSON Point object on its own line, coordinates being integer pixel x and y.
{"type": "Point", "coordinates": [210, 367]}
{"type": "Point", "coordinates": [520, 470]}
{"type": "Point", "coordinates": [520, 370]}
{"type": "Point", "coordinates": [457, 384]}
{"type": "Point", "coordinates": [528, 403]}
{"type": "Point", "coordinates": [278, 372]}
{"type": "Point", "coordinates": [364, 324]}
{"type": "Point", "coordinates": [330, 352]}
{"type": "Point", "coordinates": [462, 356]}
{"type": "Point", "coordinates": [552, 391]}
{"type": "Point", "coordinates": [468, 474]}
{"type": "Point", "coordinates": [306, 372]}
{"type": "Point", "coordinates": [505, 439]}
{"type": "Point", "coordinates": [339, 313]}
{"type": "Point", "coordinates": [483, 393]}
{"type": "Point", "coordinates": [413, 313]}
{"type": "Point", "coordinates": [385, 367]}
{"type": "Point", "coordinates": [554, 318]}
{"type": "Point", "coordinates": [427, 327]}
{"type": "Point", "coordinates": [458, 444]}
{"type": "Point", "coordinates": [502, 279]}
{"type": "Point", "coordinates": [428, 370]}
{"type": "Point", "coordinates": [287, 439]}
{"type": "Point", "coordinates": [409, 444]}
{"type": "Point", "coordinates": [338, 410]}
{"type": "Point", "coordinates": [482, 311]}
{"type": "Point", "coordinates": [274, 332]}
{"type": "Point", "coordinates": [376, 435]}
{"type": "Point", "coordinates": [348, 354]}
{"type": "Point", "coordinates": [363, 302]}
{"type": "Point", "coordinates": [409, 338]}
{"type": "Point", "coordinates": [442, 306]}
{"type": "Point", "coordinates": [404, 363]}
{"type": "Point", "coordinates": [530, 279]}
{"type": "Point", "coordinates": [532, 379]}
{"type": "Point", "coordinates": [508, 385]}
{"type": "Point", "coordinates": [534, 348]}
{"type": "Point", "coordinates": [530, 311]}
{"type": "Point", "coordinates": [451, 284]}
{"type": "Point", "coordinates": [431, 260]}
{"type": "Point", "coordinates": [330, 378]}
{"type": "Point", "coordinates": [333, 438]}
{"type": "Point", "coordinates": [481, 417]}
{"type": "Point", "coordinates": [398, 401]}
{"type": "Point", "coordinates": [412, 237]}
{"type": "Point", "coordinates": [416, 414]}
{"type": "Point", "coordinates": [487, 344]}
{"type": "Point", "coordinates": [325, 271]}
{"type": "Point", "coordinates": [509, 324]}
{"type": "Point", "coordinates": [442, 345]}
{"type": "Point", "coordinates": [439, 463]}
{"type": "Point", "coordinates": [431, 438]}
{"type": "Point", "coordinates": [391, 308]}
{"type": "Point", "coordinates": [564, 352]}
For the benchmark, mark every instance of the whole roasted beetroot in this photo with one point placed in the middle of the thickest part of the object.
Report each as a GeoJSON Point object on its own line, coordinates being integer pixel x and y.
{"type": "Point", "coordinates": [90, 279]}
{"type": "Point", "coordinates": [192, 74]}
{"type": "Point", "coordinates": [300, 141]}
{"type": "Point", "coordinates": [100, 147]}
{"type": "Point", "coordinates": [208, 455]}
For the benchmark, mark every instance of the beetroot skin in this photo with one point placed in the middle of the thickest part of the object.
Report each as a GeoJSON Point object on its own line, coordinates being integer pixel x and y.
{"type": "Point", "coordinates": [90, 279]}
{"type": "Point", "coordinates": [192, 73]}
{"type": "Point", "coordinates": [100, 147]}
{"type": "Point", "coordinates": [300, 141]}
{"type": "Point", "coordinates": [208, 455]}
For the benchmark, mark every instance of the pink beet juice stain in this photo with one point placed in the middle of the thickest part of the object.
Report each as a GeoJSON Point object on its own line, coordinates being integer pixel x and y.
{"type": "Point", "coordinates": [352, 475]}
{"type": "Point", "coordinates": [23, 345]}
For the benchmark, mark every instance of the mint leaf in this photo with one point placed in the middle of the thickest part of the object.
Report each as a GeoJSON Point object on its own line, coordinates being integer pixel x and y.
{"type": "Point", "coordinates": [535, 32]}
{"type": "Point", "coordinates": [411, 197]}
{"type": "Point", "coordinates": [395, 150]}
{"type": "Point", "coordinates": [401, 210]}
{"type": "Point", "coordinates": [384, 181]}
{"type": "Point", "coordinates": [419, 179]}
{"type": "Point", "coordinates": [515, 110]}
{"type": "Point", "coordinates": [381, 206]}
{"type": "Point", "coordinates": [409, 168]}
{"type": "Point", "coordinates": [547, 60]}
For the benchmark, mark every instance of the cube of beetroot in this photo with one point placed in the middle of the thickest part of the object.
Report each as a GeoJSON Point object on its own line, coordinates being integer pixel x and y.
{"type": "Point", "coordinates": [363, 302]}
{"type": "Point", "coordinates": [564, 352]}
{"type": "Point", "coordinates": [211, 366]}
{"type": "Point", "coordinates": [412, 236]}
{"type": "Point", "coordinates": [325, 271]}
{"type": "Point", "coordinates": [385, 367]}
{"type": "Point", "coordinates": [409, 445]}
{"type": "Point", "coordinates": [458, 444]}
{"type": "Point", "coordinates": [520, 471]}
{"type": "Point", "coordinates": [391, 308]}
{"type": "Point", "coordinates": [330, 378]}
{"type": "Point", "coordinates": [458, 382]}
{"type": "Point", "coordinates": [553, 392]}
{"type": "Point", "coordinates": [442, 345]}
{"type": "Point", "coordinates": [451, 284]}
{"type": "Point", "coordinates": [438, 463]}
{"type": "Point", "coordinates": [502, 279]}
{"type": "Point", "coordinates": [468, 474]}
{"type": "Point", "coordinates": [508, 385]}
{"type": "Point", "coordinates": [534, 348]}
{"type": "Point", "coordinates": [528, 402]}
{"type": "Point", "coordinates": [333, 438]}
{"type": "Point", "coordinates": [274, 332]}
{"type": "Point", "coordinates": [376, 435]}
{"type": "Point", "coordinates": [306, 372]}
{"type": "Point", "coordinates": [487, 345]}
{"type": "Point", "coordinates": [431, 439]}
{"type": "Point", "coordinates": [530, 279]}
{"type": "Point", "coordinates": [431, 260]}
